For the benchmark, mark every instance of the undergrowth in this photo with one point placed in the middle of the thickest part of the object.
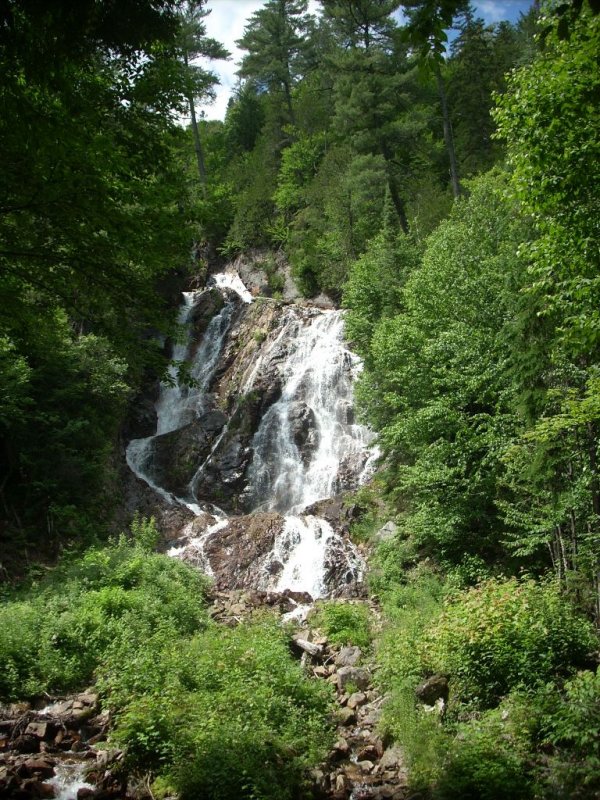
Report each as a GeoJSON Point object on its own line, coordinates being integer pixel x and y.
{"type": "Point", "coordinates": [211, 712]}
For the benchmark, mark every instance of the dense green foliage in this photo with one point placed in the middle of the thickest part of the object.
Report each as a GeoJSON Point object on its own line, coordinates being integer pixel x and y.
{"type": "Point", "coordinates": [95, 212]}
{"type": "Point", "coordinates": [344, 623]}
{"type": "Point", "coordinates": [335, 112]}
{"type": "Point", "coordinates": [505, 634]}
{"type": "Point", "coordinates": [480, 354]}
{"type": "Point", "coordinates": [226, 714]}
{"type": "Point", "coordinates": [451, 205]}
{"type": "Point", "coordinates": [480, 376]}
{"type": "Point", "coordinates": [56, 635]}
{"type": "Point", "coordinates": [507, 645]}
{"type": "Point", "coordinates": [217, 712]}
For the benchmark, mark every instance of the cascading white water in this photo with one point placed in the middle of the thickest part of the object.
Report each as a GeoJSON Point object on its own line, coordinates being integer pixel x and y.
{"type": "Point", "coordinates": [304, 443]}
{"type": "Point", "coordinates": [231, 280]}
{"type": "Point", "coordinates": [69, 779]}
{"type": "Point", "coordinates": [318, 376]}
{"type": "Point", "coordinates": [170, 406]}
{"type": "Point", "coordinates": [288, 475]}
{"type": "Point", "coordinates": [178, 404]}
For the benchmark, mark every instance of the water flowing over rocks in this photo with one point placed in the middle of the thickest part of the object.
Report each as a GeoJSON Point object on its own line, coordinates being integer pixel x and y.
{"type": "Point", "coordinates": [247, 470]}
{"type": "Point", "coordinates": [247, 463]}
{"type": "Point", "coordinates": [50, 751]}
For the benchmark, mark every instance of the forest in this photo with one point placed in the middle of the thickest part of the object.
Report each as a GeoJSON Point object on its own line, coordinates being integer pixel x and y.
{"type": "Point", "coordinates": [437, 178]}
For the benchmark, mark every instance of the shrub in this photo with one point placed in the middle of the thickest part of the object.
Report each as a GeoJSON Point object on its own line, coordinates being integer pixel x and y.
{"type": "Point", "coordinates": [571, 730]}
{"type": "Point", "coordinates": [504, 634]}
{"type": "Point", "coordinates": [542, 743]}
{"type": "Point", "coordinates": [410, 607]}
{"type": "Point", "coordinates": [54, 638]}
{"type": "Point", "coordinates": [228, 715]}
{"type": "Point", "coordinates": [216, 713]}
{"type": "Point", "coordinates": [487, 760]}
{"type": "Point", "coordinates": [344, 623]}
{"type": "Point", "coordinates": [504, 637]}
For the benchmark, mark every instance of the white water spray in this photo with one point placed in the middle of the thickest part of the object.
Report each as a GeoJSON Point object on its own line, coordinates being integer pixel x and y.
{"type": "Point", "coordinates": [318, 377]}
{"type": "Point", "coordinates": [307, 447]}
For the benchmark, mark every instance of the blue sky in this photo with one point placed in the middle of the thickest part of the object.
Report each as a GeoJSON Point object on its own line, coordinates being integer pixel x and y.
{"type": "Point", "coordinates": [228, 17]}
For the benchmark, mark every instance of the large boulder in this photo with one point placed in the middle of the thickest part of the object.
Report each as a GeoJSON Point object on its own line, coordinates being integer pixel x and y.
{"type": "Point", "coordinates": [239, 555]}
{"type": "Point", "coordinates": [433, 689]}
{"type": "Point", "coordinates": [353, 676]}
{"type": "Point", "coordinates": [174, 457]}
{"type": "Point", "coordinates": [303, 424]}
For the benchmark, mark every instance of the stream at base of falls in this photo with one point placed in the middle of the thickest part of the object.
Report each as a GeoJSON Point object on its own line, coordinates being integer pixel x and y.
{"type": "Point", "coordinates": [263, 436]}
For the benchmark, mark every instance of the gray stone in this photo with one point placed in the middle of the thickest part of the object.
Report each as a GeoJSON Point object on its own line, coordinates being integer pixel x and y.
{"type": "Point", "coordinates": [368, 753]}
{"type": "Point", "coordinates": [357, 699]}
{"type": "Point", "coordinates": [386, 532]}
{"type": "Point", "coordinates": [303, 426]}
{"type": "Point", "coordinates": [40, 767]}
{"type": "Point", "coordinates": [433, 689]}
{"type": "Point", "coordinates": [391, 758]}
{"type": "Point", "coordinates": [346, 716]}
{"type": "Point", "coordinates": [348, 656]}
{"type": "Point", "coordinates": [38, 729]}
{"type": "Point", "coordinates": [370, 716]}
{"type": "Point", "coordinates": [356, 676]}
{"type": "Point", "coordinates": [341, 748]}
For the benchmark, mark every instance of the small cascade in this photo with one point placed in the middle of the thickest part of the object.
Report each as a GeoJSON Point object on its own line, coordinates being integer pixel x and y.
{"type": "Point", "coordinates": [170, 406]}
{"type": "Point", "coordinates": [178, 404]}
{"type": "Point", "coordinates": [308, 435]}
{"type": "Point", "coordinates": [194, 546]}
{"type": "Point", "coordinates": [231, 280]}
{"type": "Point", "coordinates": [69, 779]}
{"type": "Point", "coordinates": [302, 547]}
{"type": "Point", "coordinates": [305, 447]}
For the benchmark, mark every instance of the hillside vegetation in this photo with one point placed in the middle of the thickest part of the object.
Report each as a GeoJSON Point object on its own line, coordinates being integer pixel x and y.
{"type": "Point", "coordinates": [446, 196]}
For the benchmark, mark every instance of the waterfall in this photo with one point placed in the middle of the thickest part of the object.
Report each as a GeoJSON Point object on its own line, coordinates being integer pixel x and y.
{"type": "Point", "coordinates": [178, 404]}
{"type": "Point", "coordinates": [304, 438]}
{"type": "Point", "coordinates": [306, 447]}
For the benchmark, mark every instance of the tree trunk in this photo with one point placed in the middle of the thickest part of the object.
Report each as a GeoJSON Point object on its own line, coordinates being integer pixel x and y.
{"type": "Point", "coordinates": [595, 489]}
{"type": "Point", "coordinates": [197, 140]}
{"type": "Point", "coordinates": [398, 205]}
{"type": "Point", "coordinates": [288, 100]}
{"type": "Point", "coordinates": [448, 138]}
{"type": "Point", "coordinates": [398, 202]}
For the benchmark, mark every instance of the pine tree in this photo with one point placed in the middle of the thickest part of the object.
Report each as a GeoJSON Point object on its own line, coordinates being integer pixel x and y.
{"type": "Point", "coordinates": [194, 43]}
{"type": "Point", "coordinates": [276, 48]}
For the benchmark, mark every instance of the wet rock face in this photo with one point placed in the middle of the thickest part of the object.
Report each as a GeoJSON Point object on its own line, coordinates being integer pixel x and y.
{"type": "Point", "coordinates": [175, 455]}
{"type": "Point", "coordinates": [257, 268]}
{"type": "Point", "coordinates": [222, 479]}
{"type": "Point", "coordinates": [255, 551]}
{"type": "Point", "coordinates": [240, 554]}
{"type": "Point", "coordinates": [274, 381]}
{"type": "Point", "coordinates": [207, 305]}
{"type": "Point", "coordinates": [304, 429]}
{"type": "Point", "coordinates": [339, 513]}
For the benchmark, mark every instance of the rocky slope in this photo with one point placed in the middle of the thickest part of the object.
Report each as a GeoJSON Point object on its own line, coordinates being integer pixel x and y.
{"type": "Point", "coordinates": [267, 430]}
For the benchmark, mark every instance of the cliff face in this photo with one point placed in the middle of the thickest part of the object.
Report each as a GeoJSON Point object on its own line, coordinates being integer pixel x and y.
{"type": "Point", "coordinates": [265, 431]}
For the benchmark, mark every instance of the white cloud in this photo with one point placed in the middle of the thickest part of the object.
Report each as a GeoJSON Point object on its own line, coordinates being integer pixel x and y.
{"type": "Point", "coordinates": [494, 11]}
{"type": "Point", "coordinates": [226, 24]}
